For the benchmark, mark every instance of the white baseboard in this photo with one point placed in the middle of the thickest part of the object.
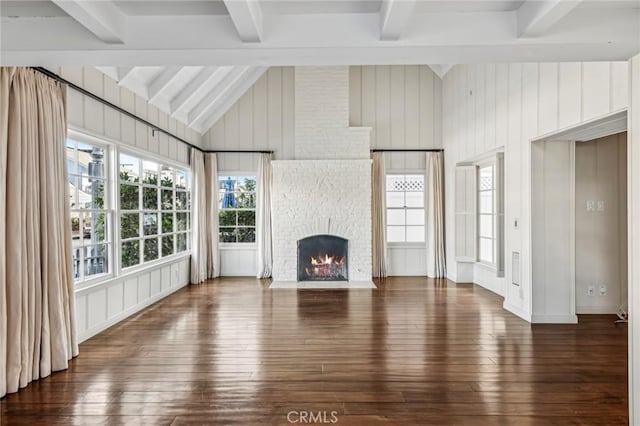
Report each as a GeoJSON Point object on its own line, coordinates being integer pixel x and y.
{"type": "Point", "coordinates": [517, 311]}
{"type": "Point", "coordinates": [601, 310]}
{"type": "Point", "coordinates": [87, 334]}
{"type": "Point", "coordinates": [554, 319]}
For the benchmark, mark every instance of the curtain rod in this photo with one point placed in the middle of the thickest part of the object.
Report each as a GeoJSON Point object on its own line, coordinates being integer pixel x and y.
{"type": "Point", "coordinates": [103, 101]}
{"type": "Point", "coordinates": [230, 151]}
{"type": "Point", "coordinates": [409, 150]}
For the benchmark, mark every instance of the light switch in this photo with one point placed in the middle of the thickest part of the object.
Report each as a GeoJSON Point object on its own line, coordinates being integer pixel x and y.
{"type": "Point", "coordinates": [600, 205]}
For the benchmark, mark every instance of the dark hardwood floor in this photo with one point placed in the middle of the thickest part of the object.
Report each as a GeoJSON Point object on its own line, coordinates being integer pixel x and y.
{"type": "Point", "coordinates": [413, 352]}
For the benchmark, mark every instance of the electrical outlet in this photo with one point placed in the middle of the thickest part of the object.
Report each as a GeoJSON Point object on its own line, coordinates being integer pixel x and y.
{"type": "Point", "coordinates": [591, 290]}
{"type": "Point", "coordinates": [603, 290]}
{"type": "Point", "coordinates": [591, 206]}
{"type": "Point", "coordinates": [600, 206]}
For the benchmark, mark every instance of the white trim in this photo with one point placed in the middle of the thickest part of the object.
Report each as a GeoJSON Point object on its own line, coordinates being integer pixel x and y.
{"type": "Point", "coordinates": [599, 310]}
{"type": "Point", "coordinates": [604, 125]}
{"type": "Point", "coordinates": [554, 319]}
{"type": "Point", "coordinates": [517, 311]}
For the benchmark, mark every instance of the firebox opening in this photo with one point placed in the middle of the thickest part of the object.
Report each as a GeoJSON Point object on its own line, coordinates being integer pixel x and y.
{"type": "Point", "coordinates": [323, 258]}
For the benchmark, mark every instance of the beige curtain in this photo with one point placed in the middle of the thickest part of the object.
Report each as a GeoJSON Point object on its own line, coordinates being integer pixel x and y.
{"type": "Point", "coordinates": [263, 222]}
{"type": "Point", "coordinates": [436, 266]}
{"type": "Point", "coordinates": [37, 310]}
{"type": "Point", "coordinates": [204, 243]}
{"type": "Point", "coordinates": [378, 215]}
{"type": "Point", "coordinates": [211, 173]}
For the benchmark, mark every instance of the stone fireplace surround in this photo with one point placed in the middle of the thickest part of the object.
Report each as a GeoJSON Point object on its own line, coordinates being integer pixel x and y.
{"type": "Point", "coordinates": [327, 188]}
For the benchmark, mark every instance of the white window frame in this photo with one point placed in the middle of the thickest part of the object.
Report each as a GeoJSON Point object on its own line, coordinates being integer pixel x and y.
{"type": "Point", "coordinates": [145, 156]}
{"type": "Point", "coordinates": [408, 244]}
{"type": "Point", "coordinates": [497, 213]}
{"type": "Point", "coordinates": [238, 245]}
{"type": "Point", "coordinates": [109, 210]}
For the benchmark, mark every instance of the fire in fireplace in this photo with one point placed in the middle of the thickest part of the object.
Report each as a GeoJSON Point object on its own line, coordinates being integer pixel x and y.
{"type": "Point", "coordinates": [323, 258]}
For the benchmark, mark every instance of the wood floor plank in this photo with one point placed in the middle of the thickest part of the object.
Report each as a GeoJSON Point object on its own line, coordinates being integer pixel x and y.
{"type": "Point", "coordinates": [412, 352]}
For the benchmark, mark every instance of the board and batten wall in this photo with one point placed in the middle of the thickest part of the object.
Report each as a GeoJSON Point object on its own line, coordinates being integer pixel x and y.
{"type": "Point", "coordinates": [492, 106]}
{"type": "Point", "coordinates": [102, 305]}
{"type": "Point", "coordinates": [601, 235]}
{"type": "Point", "coordinates": [402, 105]}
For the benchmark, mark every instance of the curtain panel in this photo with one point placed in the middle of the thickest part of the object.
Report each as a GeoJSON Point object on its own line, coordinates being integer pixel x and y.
{"type": "Point", "coordinates": [263, 220]}
{"type": "Point", "coordinates": [37, 304]}
{"type": "Point", "coordinates": [436, 263]}
{"type": "Point", "coordinates": [378, 215]}
{"type": "Point", "coordinates": [211, 175]}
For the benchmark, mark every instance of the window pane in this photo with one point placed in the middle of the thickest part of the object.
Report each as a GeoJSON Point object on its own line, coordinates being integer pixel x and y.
{"type": "Point", "coordinates": [486, 226]}
{"type": "Point", "coordinates": [129, 225]}
{"type": "Point", "coordinates": [73, 193]}
{"type": "Point", "coordinates": [181, 179]}
{"type": "Point", "coordinates": [150, 249]}
{"type": "Point", "coordinates": [181, 242]}
{"type": "Point", "coordinates": [245, 192]}
{"type": "Point", "coordinates": [486, 250]}
{"type": "Point", "coordinates": [227, 235]}
{"type": "Point", "coordinates": [246, 235]}
{"type": "Point", "coordinates": [395, 217]}
{"type": "Point", "coordinates": [129, 168]}
{"type": "Point", "coordinates": [227, 218]}
{"type": "Point", "coordinates": [150, 172]}
{"type": "Point", "coordinates": [247, 218]}
{"type": "Point", "coordinates": [167, 222]}
{"type": "Point", "coordinates": [395, 182]}
{"type": "Point", "coordinates": [167, 245]}
{"type": "Point", "coordinates": [181, 221]}
{"type": "Point", "coordinates": [130, 253]}
{"type": "Point", "coordinates": [129, 197]}
{"type": "Point", "coordinates": [415, 199]}
{"type": "Point", "coordinates": [150, 223]}
{"type": "Point", "coordinates": [90, 160]}
{"type": "Point", "coordinates": [226, 189]}
{"type": "Point", "coordinates": [150, 198]}
{"type": "Point", "coordinates": [95, 227]}
{"type": "Point", "coordinates": [415, 216]}
{"type": "Point", "coordinates": [167, 199]}
{"type": "Point", "coordinates": [415, 234]}
{"type": "Point", "coordinates": [75, 229]}
{"type": "Point", "coordinates": [71, 157]}
{"type": "Point", "coordinates": [91, 193]}
{"type": "Point", "coordinates": [395, 199]}
{"type": "Point", "coordinates": [95, 260]}
{"type": "Point", "coordinates": [76, 261]}
{"type": "Point", "coordinates": [485, 178]}
{"type": "Point", "coordinates": [395, 234]}
{"type": "Point", "coordinates": [414, 183]}
{"type": "Point", "coordinates": [167, 177]}
{"type": "Point", "coordinates": [181, 200]}
{"type": "Point", "coordinates": [486, 202]}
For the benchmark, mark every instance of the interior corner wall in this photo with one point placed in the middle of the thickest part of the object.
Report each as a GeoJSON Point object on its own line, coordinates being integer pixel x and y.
{"type": "Point", "coordinates": [601, 235]}
{"type": "Point", "coordinates": [488, 106]}
{"type": "Point", "coordinates": [103, 305]}
{"type": "Point", "coordinates": [402, 104]}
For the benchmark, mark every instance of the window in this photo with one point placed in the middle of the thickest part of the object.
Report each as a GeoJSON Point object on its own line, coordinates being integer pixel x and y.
{"type": "Point", "coordinates": [154, 210]}
{"type": "Point", "coordinates": [90, 214]}
{"type": "Point", "coordinates": [237, 205]}
{"type": "Point", "coordinates": [487, 214]}
{"type": "Point", "coordinates": [405, 208]}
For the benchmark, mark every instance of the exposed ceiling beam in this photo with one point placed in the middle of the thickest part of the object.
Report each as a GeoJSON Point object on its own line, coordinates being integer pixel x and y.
{"type": "Point", "coordinates": [212, 97]}
{"type": "Point", "coordinates": [536, 17]}
{"type": "Point", "coordinates": [102, 18]}
{"type": "Point", "coordinates": [161, 82]}
{"type": "Point", "coordinates": [394, 17]}
{"type": "Point", "coordinates": [231, 97]}
{"type": "Point", "coordinates": [247, 17]}
{"type": "Point", "coordinates": [208, 76]}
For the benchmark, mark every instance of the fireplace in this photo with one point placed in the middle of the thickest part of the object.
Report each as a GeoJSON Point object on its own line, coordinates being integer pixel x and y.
{"type": "Point", "coordinates": [323, 258]}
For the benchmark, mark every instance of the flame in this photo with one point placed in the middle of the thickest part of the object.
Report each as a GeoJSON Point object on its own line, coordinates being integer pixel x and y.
{"type": "Point", "coordinates": [327, 260]}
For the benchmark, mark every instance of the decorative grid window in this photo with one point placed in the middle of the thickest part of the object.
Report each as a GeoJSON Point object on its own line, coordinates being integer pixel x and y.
{"type": "Point", "coordinates": [487, 214]}
{"type": "Point", "coordinates": [405, 208]}
{"type": "Point", "coordinates": [155, 210]}
{"type": "Point", "coordinates": [90, 214]}
{"type": "Point", "coordinates": [237, 209]}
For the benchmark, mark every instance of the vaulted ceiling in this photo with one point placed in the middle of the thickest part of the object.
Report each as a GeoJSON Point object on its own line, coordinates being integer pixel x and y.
{"type": "Point", "coordinates": [194, 58]}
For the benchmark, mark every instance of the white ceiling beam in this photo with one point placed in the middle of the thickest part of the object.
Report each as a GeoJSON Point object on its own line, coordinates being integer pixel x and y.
{"type": "Point", "coordinates": [193, 90]}
{"type": "Point", "coordinates": [214, 95]}
{"type": "Point", "coordinates": [231, 97]}
{"type": "Point", "coordinates": [102, 18]}
{"type": "Point", "coordinates": [394, 17]}
{"type": "Point", "coordinates": [161, 82]}
{"type": "Point", "coordinates": [440, 70]}
{"type": "Point", "coordinates": [247, 18]}
{"type": "Point", "coordinates": [536, 17]}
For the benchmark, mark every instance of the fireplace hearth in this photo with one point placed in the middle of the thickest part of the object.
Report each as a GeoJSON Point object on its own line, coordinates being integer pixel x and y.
{"type": "Point", "coordinates": [323, 258]}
